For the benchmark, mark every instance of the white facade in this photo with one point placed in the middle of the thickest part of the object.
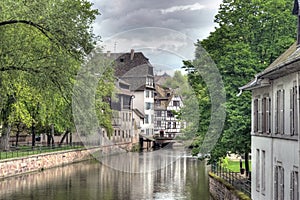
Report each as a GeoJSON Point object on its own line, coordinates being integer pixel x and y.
{"type": "Point", "coordinates": [148, 126]}
{"type": "Point", "coordinates": [274, 135]}
{"type": "Point", "coordinates": [174, 125]}
{"type": "Point", "coordinates": [274, 153]}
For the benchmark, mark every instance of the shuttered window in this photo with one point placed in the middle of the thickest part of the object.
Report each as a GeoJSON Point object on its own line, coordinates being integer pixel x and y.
{"type": "Point", "coordinates": [266, 115]}
{"type": "Point", "coordinates": [293, 110]}
{"type": "Point", "coordinates": [279, 183]}
{"type": "Point", "coordinates": [294, 190]}
{"type": "Point", "coordinates": [255, 115]}
{"type": "Point", "coordinates": [279, 127]}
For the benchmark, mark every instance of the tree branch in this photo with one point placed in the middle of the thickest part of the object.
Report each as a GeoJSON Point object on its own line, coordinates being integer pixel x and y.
{"type": "Point", "coordinates": [30, 23]}
{"type": "Point", "coordinates": [10, 68]}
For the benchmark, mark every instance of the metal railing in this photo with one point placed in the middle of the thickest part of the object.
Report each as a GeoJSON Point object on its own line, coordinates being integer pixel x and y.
{"type": "Point", "coordinates": [20, 151]}
{"type": "Point", "coordinates": [236, 179]}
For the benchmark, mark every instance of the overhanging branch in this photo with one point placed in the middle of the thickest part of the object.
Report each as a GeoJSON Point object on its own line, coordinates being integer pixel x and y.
{"type": "Point", "coordinates": [30, 23]}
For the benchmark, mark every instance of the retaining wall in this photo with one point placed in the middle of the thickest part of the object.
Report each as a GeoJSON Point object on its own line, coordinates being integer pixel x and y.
{"type": "Point", "coordinates": [21, 165]}
{"type": "Point", "coordinates": [221, 190]}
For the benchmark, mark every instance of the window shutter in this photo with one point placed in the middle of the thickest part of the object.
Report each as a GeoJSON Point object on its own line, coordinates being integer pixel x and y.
{"type": "Point", "coordinates": [268, 115]}
{"type": "Point", "coordinates": [276, 183]}
{"type": "Point", "coordinates": [260, 116]}
{"type": "Point", "coordinates": [292, 186]}
{"type": "Point", "coordinates": [292, 111]}
{"type": "Point", "coordinates": [281, 183]}
{"type": "Point", "coordinates": [255, 113]}
{"type": "Point", "coordinates": [281, 112]}
{"type": "Point", "coordinates": [295, 110]}
{"type": "Point", "coordinates": [277, 113]}
{"type": "Point", "coordinates": [264, 115]}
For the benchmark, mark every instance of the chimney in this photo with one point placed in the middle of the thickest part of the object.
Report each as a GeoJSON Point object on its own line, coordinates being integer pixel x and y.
{"type": "Point", "coordinates": [108, 54]}
{"type": "Point", "coordinates": [297, 13]}
{"type": "Point", "coordinates": [131, 54]}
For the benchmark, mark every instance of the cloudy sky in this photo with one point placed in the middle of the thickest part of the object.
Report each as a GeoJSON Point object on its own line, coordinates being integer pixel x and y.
{"type": "Point", "coordinates": [164, 30]}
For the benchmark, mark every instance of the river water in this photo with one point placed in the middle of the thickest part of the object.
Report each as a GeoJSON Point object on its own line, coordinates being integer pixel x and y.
{"type": "Point", "coordinates": [183, 178]}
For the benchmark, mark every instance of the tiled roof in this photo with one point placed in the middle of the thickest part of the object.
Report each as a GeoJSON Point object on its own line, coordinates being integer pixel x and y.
{"type": "Point", "coordinates": [133, 71]}
{"type": "Point", "coordinates": [162, 96]}
{"type": "Point", "coordinates": [290, 55]}
{"type": "Point", "coordinates": [286, 63]}
{"type": "Point", "coordinates": [124, 63]}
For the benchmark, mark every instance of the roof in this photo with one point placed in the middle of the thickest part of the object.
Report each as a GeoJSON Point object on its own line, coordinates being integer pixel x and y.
{"type": "Point", "coordinates": [133, 68]}
{"type": "Point", "coordinates": [286, 63]}
{"type": "Point", "coordinates": [124, 63]}
{"type": "Point", "coordinates": [164, 95]}
{"type": "Point", "coordinates": [161, 79]}
{"type": "Point", "coordinates": [138, 113]}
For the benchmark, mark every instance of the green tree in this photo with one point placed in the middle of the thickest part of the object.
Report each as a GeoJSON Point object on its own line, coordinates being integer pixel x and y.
{"type": "Point", "coordinates": [42, 46]}
{"type": "Point", "coordinates": [250, 36]}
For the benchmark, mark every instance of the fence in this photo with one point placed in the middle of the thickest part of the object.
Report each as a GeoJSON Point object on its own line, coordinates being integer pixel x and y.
{"type": "Point", "coordinates": [236, 179]}
{"type": "Point", "coordinates": [28, 150]}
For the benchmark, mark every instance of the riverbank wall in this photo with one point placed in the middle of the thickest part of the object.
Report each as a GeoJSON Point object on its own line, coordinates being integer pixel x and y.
{"type": "Point", "coordinates": [221, 190]}
{"type": "Point", "coordinates": [27, 164]}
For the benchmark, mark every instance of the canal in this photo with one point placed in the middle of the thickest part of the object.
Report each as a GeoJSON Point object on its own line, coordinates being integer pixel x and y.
{"type": "Point", "coordinates": [183, 178]}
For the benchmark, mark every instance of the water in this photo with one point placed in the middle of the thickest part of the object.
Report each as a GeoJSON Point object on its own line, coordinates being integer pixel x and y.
{"type": "Point", "coordinates": [186, 178]}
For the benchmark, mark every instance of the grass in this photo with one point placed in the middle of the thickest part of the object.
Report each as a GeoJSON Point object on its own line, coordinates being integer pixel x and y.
{"type": "Point", "coordinates": [235, 165]}
{"type": "Point", "coordinates": [27, 151]}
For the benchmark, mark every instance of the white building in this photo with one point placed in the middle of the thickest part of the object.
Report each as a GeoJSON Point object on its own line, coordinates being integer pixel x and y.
{"type": "Point", "coordinates": [135, 69]}
{"type": "Point", "coordinates": [275, 129]}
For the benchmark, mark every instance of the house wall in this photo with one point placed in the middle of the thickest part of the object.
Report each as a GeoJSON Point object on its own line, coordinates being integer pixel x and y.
{"type": "Point", "coordinates": [173, 120]}
{"type": "Point", "coordinates": [149, 127]}
{"type": "Point", "coordinates": [279, 149]}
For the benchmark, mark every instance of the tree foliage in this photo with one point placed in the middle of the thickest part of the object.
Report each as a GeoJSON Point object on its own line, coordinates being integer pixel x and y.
{"type": "Point", "coordinates": [250, 36]}
{"type": "Point", "coordinates": [43, 43]}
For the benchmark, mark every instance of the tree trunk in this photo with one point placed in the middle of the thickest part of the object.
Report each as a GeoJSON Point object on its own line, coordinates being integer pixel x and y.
{"type": "Point", "coordinates": [18, 133]}
{"type": "Point", "coordinates": [4, 143]}
{"type": "Point", "coordinates": [247, 163]}
{"type": "Point", "coordinates": [48, 139]}
{"type": "Point", "coordinates": [33, 134]}
{"type": "Point", "coordinates": [64, 137]}
{"type": "Point", "coordinates": [52, 135]}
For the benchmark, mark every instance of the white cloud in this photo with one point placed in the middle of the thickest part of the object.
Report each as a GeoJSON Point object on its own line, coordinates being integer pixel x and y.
{"type": "Point", "coordinates": [196, 6]}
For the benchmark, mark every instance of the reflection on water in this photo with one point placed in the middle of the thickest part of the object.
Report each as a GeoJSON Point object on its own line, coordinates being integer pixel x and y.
{"type": "Point", "coordinates": [185, 178]}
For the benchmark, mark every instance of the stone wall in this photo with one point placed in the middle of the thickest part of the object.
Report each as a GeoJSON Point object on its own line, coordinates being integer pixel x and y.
{"type": "Point", "coordinates": [21, 165]}
{"type": "Point", "coordinates": [221, 190]}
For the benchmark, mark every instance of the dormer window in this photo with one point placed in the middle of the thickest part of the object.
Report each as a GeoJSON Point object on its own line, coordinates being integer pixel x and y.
{"type": "Point", "coordinates": [121, 59]}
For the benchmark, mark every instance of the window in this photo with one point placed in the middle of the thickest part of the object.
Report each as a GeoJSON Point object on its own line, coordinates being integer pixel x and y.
{"type": "Point", "coordinates": [152, 119]}
{"type": "Point", "coordinates": [146, 119]}
{"type": "Point", "coordinates": [263, 171]}
{"type": "Point", "coordinates": [158, 113]}
{"type": "Point", "coordinates": [255, 115]}
{"type": "Point", "coordinates": [169, 125]}
{"type": "Point", "coordinates": [279, 183]}
{"type": "Point", "coordinates": [159, 123]}
{"type": "Point", "coordinates": [257, 170]}
{"type": "Point", "coordinates": [157, 102]}
{"type": "Point", "coordinates": [266, 115]}
{"type": "Point", "coordinates": [280, 112]}
{"type": "Point", "coordinates": [170, 113]}
{"type": "Point", "coordinates": [174, 124]}
{"type": "Point", "coordinates": [147, 93]}
{"type": "Point", "coordinates": [148, 106]}
{"type": "Point", "coordinates": [293, 110]}
{"type": "Point", "coordinates": [147, 131]}
{"type": "Point", "coordinates": [176, 103]}
{"type": "Point", "coordinates": [294, 189]}
{"type": "Point", "coordinates": [151, 94]}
